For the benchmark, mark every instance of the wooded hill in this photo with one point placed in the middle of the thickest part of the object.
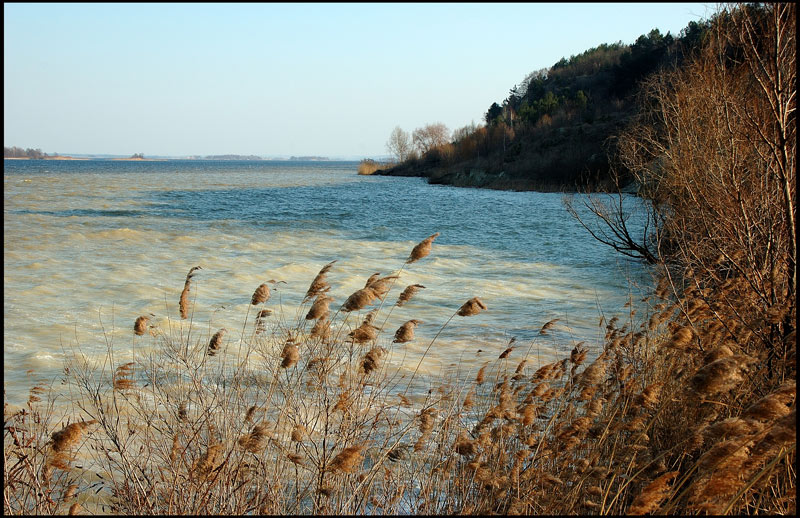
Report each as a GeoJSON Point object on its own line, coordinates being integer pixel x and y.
{"type": "Point", "coordinates": [555, 129]}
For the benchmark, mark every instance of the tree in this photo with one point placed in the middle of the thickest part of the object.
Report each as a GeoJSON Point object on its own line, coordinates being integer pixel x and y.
{"type": "Point", "coordinates": [495, 111]}
{"type": "Point", "coordinates": [399, 144]}
{"type": "Point", "coordinates": [430, 136]}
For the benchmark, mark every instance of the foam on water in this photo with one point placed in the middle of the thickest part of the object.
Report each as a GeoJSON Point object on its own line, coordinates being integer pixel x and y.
{"type": "Point", "coordinates": [91, 245]}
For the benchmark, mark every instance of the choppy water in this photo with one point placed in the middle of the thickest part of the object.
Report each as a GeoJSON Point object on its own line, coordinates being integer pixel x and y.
{"type": "Point", "coordinates": [91, 245]}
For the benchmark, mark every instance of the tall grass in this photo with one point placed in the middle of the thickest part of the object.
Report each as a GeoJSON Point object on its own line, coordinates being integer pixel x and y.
{"type": "Point", "coordinates": [311, 412]}
{"type": "Point", "coordinates": [369, 166]}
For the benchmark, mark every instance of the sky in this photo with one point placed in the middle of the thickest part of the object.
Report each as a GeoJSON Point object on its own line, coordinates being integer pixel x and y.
{"type": "Point", "coordinates": [324, 79]}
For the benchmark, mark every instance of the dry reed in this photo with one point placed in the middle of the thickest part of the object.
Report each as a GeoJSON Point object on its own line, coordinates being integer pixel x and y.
{"type": "Point", "coordinates": [319, 309]}
{"type": "Point", "coordinates": [471, 307]}
{"type": "Point", "coordinates": [406, 332]}
{"type": "Point", "coordinates": [422, 249]}
{"type": "Point", "coordinates": [215, 343]}
{"type": "Point", "coordinates": [69, 436]}
{"type": "Point", "coordinates": [261, 295]}
{"type": "Point", "coordinates": [348, 460]}
{"type": "Point", "coordinates": [140, 326]}
{"type": "Point", "coordinates": [407, 293]}
{"type": "Point", "coordinates": [372, 359]}
{"type": "Point", "coordinates": [359, 300]}
{"type": "Point", "coordinates": [290, 355]}
{"type": "Point", "coordinates": [184, 300]}
{"type": "Point", "coordinates": [320, 282]}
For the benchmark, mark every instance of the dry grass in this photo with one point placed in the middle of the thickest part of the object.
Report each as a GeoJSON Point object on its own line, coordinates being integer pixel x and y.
{"type": "Point", "coordinates": [649, 420]}
{"type": "Point", "coordinates": [369, 166]}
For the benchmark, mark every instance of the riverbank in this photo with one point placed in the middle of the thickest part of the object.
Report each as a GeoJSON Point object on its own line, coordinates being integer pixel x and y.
{"type": "Point", "coordinates": [568, 158]}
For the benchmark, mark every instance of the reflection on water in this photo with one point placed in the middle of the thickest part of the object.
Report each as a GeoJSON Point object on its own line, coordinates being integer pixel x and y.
{"type": "Point", "coordinates": [91, 245]}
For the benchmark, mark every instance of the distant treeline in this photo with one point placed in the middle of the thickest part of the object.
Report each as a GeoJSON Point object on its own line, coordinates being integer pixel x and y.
{"type": "Point", "coordinates": [555, 128]}
{"type": "Point", "coordinates": [18, 152]}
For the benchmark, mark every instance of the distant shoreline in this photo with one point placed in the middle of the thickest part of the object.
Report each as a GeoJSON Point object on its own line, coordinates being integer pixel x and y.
{"type": "Point", "coordinates": [86, 158]}
{"type": "Point", "coordinates": [43, 158]}
{"type": "Point", "coordinates": [141, 159]}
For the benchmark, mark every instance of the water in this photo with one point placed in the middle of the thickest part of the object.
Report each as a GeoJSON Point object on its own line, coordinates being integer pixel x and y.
{"type": "Point", "coordinates": [91, 245]}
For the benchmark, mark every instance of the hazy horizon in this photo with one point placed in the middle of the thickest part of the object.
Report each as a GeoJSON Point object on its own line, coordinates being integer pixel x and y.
{"type": "Point", "coordinates": [277, 80]}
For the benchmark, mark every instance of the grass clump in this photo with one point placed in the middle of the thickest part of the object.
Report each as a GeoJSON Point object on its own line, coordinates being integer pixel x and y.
{"type": "Point", "coordinates": [369, 166]}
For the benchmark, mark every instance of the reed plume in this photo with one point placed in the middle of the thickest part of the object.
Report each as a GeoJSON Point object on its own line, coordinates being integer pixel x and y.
{"type": "Point", "coordinates": [406, 332]}
{"type": "Point", "coordinates": [681, 338]}
{"type": "Point", "coordinates": [372, 359]}
{"type": "Point", "coordinates": [290, 354]}
{"type": "Point", "coordinates": [649, 397]}
{"type": "Point", "coordinates": [69, 436]}
{"type": "Point", "coordinates": [256, 440]}
{"type": "Point", "coordinates": [471, 307]}
{"type": "Point", "coordinates": [364, 333]}
{"type": "Point", "coordinates": [298, 433]}
{"type": "Point", "coordinates": [773, 406]}
{"type": "Point", "coordinates": [248, 416]}
{"type": "Point", "coordinates": [464, 445]}
{"type": "Point", "coordinates": [140, 326]}
{"type": "Point", "coordinates": [481, 376]}
{"type": "Point", "coordinates": [184, 300]}
{"type": "Point", "coordinates": [407, 293]}
{"type": "Point", "coordinates": [347, 460]}
{"type": "Point", "coordinates": [320, 283]}
{"type": "Point", "coordinates": [372, 278]}
{"type": "Point", "coordinates": [594, 373]}
{"type": "Point", "coordinates": [321, 329]}
{"type": "Point", "coordinates": [548, 325]}
{"type": "Point", "coordinates": [359, 300]}
{"type": "Point", "coordinates": [721, 375]}
{"type": "Point", "coordinates": [380, 287]}
{"type": "Point", "coordinates": [578, 355]}
{"type": "Point", "coordinates": [209, 460]}
{"type": "Point", "coordinates": [122, 377]}
{"type": "Point", "coordinates": [216, 342]}
{"type": "Point", "coordinates": [422, 249]}
{"type": "Point", "coordinates": [69, 492]}
{"type": "Point", "coordinates": [319, 309]}
{"type": "Point", "coordinates": [261, 295]}
{"type": "Point", "coordinates": [652, 495]}
{"type": "Point", "coordinates": [427, 418]}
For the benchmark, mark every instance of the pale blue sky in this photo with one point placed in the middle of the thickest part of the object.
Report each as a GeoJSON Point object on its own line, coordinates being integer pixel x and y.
{"type": "Point", "coordinates": [282, 79]}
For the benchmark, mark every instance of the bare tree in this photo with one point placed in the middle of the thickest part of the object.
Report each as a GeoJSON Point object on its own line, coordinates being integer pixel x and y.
{"type": "Point", "coordinates": [609, 220]}
{"type": "Point", "coordinates": [430, 136]}
{"type": "Point", "coordinates": [399, 144]}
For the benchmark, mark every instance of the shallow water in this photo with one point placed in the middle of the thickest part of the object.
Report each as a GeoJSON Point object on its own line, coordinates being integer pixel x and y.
{"type": "Point", "coordinates": [91, 245]}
